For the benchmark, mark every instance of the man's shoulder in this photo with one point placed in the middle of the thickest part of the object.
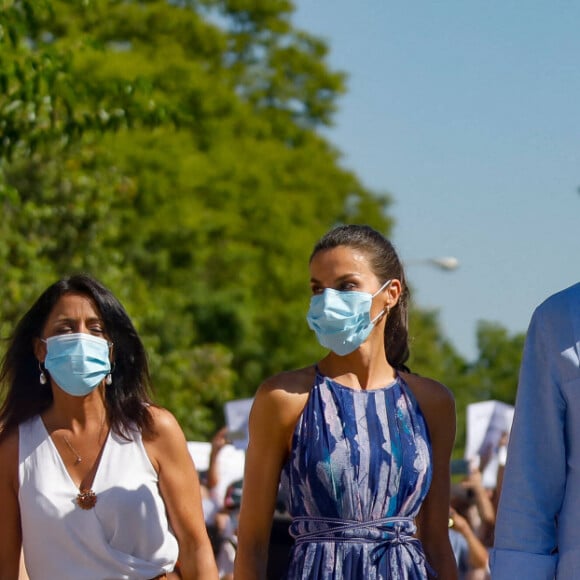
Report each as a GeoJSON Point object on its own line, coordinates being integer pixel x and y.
{"type": "Point", "coordinates": [562, 300]}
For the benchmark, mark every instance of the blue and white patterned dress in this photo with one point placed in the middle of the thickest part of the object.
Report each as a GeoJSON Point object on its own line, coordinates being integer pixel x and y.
{"type": "Point", "coordinates": [359, 469]}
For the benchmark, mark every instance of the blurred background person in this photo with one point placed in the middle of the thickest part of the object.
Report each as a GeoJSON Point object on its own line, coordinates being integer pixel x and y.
{"type": "Point", "coordinates": [479, 506]}
{"type": "Point", "coordinates": [470, 552]}
{"type": "Point", "coordinates": [229, 531]}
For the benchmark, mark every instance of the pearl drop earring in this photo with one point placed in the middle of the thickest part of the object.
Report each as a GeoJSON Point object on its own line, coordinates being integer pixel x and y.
{"type": "Point", "coordinates": [42, 378]}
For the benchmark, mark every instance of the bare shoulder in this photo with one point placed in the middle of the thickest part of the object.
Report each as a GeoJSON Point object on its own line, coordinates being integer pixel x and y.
{"type": "Point", "coordinates": [164, 421]}
{"type": "Point", "coordinates": [288, 386]}
{"type": "Point", "coordinates": [434, 398]}
{"type": "Point", "coordinates": [282, 397]}
{"type": "Point", "coordinates": [167, 444]}
{"type": "Point", "coordinates": [296, 382]}
{"type": "Point", "coordinates": [166, 431]}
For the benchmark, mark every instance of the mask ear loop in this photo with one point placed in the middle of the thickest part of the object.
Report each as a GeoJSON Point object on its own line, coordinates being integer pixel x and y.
{"type": "Point", "coordinates": [386, 310]}
{"type": "Point", "coordinates": [385, 285]}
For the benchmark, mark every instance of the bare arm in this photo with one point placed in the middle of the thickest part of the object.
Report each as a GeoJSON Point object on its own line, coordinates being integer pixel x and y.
{"type": "Point", "coordinates": [478, 555]}
{"type": "Point", "coordinates": [179, 487]}
{"type": "Point", "coordinates": [272, 420]}
{"type": "Point", "coordinates": [438, 407]}
{"type": "Point", "coordinates": [218, 442]}
{"type": "Point", "coordinates": [484, 504]}
{"type": "Point", "coordinates": [10, 530]}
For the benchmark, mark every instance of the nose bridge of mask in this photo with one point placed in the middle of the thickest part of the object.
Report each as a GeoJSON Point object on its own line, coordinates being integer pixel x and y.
{"type": "Point", "coordinates": [76, 338]}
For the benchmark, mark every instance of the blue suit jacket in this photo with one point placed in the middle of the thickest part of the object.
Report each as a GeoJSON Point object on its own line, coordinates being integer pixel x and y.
{"type": "Point", "coordinates": [538, 525]}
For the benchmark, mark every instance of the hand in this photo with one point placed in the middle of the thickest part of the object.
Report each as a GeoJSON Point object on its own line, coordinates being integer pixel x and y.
{"type": "Point", "coordinates": [459, 522]}
{"type": "Point", "coordinates": [219, 440]}
{"type": "Point", "coordinates": [474, 480]}
{"type": "Point", "coordinates": [504, 439]}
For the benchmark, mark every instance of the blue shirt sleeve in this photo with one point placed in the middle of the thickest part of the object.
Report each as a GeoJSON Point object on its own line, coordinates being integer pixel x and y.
{"type": "Point", "coordinates": [535, 474]}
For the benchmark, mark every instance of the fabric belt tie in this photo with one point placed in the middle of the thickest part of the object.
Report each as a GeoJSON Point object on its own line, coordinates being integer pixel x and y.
{"type": "Point", "coordinates": [393, 537]}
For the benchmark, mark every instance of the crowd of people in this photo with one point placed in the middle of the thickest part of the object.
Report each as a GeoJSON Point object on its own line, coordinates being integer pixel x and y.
{"type": "Point", "coordinates": [472, 516]}
{"type": "Point", "coordinates": [347, 471]}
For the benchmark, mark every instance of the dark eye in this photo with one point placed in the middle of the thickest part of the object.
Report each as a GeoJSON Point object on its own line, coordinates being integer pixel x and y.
{"type": "Point", "coordinates": [347, 286]}
{"type": "Point", "coordinates": [316, 289]}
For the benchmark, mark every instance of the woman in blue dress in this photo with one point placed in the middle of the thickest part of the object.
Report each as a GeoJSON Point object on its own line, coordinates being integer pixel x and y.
{"type": "Point", "coordinates": [360, 445]}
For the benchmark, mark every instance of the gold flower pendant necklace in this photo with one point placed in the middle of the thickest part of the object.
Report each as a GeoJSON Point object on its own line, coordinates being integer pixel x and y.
{"type": "Point", "coordinates": [87, 498]}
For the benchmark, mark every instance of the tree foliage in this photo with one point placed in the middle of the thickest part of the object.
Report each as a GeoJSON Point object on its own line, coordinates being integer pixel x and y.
{"type": "Point", "coordinates": [172, 149]}
{"type": "Point", "coordinates": [179, 162]}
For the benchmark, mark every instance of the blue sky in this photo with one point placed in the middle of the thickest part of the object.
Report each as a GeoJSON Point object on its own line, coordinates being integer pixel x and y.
{"type": "Point", "coordinates": [468, 114]}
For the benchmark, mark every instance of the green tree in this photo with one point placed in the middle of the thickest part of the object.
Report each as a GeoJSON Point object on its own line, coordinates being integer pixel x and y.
{"type": "Point", "coordinates": [173, 150]}
{"type": "Point", "coordinates": [497, 366]}
{"type": "Point", "coordinates": [186, 171]}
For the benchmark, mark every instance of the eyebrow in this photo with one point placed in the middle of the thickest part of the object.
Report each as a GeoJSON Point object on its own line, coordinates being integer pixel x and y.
{"type": "Point", "coordinates": [63, 318]}
{"type": "Point", "coordinates": [340, 278]}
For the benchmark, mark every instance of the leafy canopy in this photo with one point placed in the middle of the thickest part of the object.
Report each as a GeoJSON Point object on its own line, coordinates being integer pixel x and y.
{"type": "Point", "coordinates": [173, 150]}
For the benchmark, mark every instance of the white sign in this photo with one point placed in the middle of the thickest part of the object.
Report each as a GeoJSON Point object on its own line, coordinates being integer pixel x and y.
{"type": "Point", "coordinates": [487, 423]}
{"type": "Point", "coordinates": [237, 415]}
{"type": "Point", "coordinates": [230, 465]}
{"type": "Point", "coordinates": [199, 451]}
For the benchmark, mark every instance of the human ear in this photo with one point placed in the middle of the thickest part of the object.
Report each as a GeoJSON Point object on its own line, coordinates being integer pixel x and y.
{"type": "Point", "coordinates": [392, 293]}
{"type": "Point", "coordinates": [39, 348]}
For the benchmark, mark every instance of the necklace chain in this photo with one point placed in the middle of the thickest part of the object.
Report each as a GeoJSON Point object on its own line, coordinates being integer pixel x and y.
{"type": "Point", "coordinates": [78, 458]}
{"type": "Point", "coordinates": [87, 498]}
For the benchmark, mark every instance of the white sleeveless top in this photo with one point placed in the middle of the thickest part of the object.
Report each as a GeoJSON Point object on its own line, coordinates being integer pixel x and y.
{"type": "Point", "coordinates": [126, 536]}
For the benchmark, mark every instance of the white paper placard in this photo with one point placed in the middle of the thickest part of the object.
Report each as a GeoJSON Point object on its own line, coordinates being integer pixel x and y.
{"type": "Point", "coordinates": [237, 414]}
{"type": "Point", "coordinates": [487, 422]}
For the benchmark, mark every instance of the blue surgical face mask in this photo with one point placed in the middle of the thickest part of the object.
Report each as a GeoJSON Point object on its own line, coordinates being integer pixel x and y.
{"type": "Point", "coordinates": [77, 362]}
{"type": "Point", "coordinates": [342, 320]}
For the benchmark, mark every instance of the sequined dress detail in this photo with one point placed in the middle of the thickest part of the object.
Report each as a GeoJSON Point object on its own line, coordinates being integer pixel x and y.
{"type": "Point", "coordinates": [358, 472]}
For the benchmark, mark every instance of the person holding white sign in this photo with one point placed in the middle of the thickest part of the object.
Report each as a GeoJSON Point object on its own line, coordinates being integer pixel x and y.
{"type": "Point", "coordinates": [362, 445]}
{"type": "Point", "coordinates": [537, 535]}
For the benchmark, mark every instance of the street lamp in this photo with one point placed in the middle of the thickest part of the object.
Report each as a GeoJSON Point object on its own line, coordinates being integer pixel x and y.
{"type": "Point", "coordinates": [447, 263]}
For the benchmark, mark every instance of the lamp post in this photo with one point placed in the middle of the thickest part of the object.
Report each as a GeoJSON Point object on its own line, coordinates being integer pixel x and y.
{"type": "Point", "coordinates": [446, 263]}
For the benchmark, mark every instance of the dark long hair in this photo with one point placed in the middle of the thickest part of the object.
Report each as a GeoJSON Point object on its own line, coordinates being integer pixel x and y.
{"type": "Point", "coordinates": [386, 265]}
{"type": "Point", "coordinates": [128, 395]}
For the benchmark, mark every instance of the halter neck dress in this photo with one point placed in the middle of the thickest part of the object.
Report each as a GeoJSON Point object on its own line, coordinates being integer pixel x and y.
{"type": "Point", "coordinates": [358, 472]}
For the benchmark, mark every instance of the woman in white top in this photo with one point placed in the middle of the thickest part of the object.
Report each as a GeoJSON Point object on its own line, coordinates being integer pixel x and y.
{"type": "Point", "coordinates": [96, 482]}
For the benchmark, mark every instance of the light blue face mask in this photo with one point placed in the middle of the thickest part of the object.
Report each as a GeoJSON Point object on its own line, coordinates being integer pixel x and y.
{"type": "Point", "coordinates": [342, 320]}
{"type": "Point", "coordinates": [77, 362]}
